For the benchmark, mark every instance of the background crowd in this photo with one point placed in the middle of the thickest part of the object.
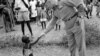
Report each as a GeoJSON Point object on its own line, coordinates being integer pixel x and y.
{"type": "Point", "coordinates": [37, 12]}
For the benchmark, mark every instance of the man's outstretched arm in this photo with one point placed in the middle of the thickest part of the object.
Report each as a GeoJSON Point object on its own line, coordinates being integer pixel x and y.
{"type": "Point", "coordinates": [50, 25]}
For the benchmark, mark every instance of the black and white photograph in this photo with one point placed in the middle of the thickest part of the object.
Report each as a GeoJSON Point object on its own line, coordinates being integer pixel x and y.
{"type": "Point", "coordinates": [49, 27]}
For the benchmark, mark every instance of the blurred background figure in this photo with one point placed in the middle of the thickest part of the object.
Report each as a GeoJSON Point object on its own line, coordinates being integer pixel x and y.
{"type": "Point", "coordinates": [40, 4]}
{"type": "Point", "coordinates": [38, 7]}
{"type": "Point", "coordinates": [98, 8]}
{"type": "Point", "coordinates": [43, 18]}
{"type": "Point", "coordinates": [89, 7]}
{"type": "Point", "coordinates": [7, 15]}
{"type": "Point", "coordinates": [33, 4]}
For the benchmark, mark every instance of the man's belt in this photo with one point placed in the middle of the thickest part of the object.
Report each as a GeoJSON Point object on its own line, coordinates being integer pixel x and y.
{"type": "Point", "coordinates": [76, 14]}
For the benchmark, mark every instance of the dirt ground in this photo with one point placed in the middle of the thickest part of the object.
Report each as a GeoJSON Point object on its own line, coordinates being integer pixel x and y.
{"type": "Point", "coordinates": [46, 51]}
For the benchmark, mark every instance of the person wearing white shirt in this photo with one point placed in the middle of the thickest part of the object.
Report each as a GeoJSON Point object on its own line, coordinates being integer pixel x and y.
{"type": "Point", "coordinates": [23, 14]}
{"type": "Point", "coordinates": [33, 8]}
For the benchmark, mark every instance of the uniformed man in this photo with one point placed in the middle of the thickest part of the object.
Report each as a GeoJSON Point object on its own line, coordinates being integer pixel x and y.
{"type": "Point", "coordinates": [67, 11]}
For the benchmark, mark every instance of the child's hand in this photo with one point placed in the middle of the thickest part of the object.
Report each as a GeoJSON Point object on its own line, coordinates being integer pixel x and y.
{"type": "Point", "coordinates": [36, 40]}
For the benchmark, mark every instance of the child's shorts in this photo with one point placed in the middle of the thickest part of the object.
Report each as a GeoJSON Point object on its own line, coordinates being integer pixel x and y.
{"type": "Point", "coordinates": [43, 19]}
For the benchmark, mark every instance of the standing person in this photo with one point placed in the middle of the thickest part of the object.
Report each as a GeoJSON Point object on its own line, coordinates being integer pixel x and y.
{"type": "Point", "coordinates": [89, 7]}
{"type": "Point", "coordinates": [7, 16]}
{"type": "Point", "coordinates": [23, 14]}
{"type": "Point", "coordinates": [10, 3]}
{"type": "Point", "coordinates": [43, 18]}
{"type": "Point", "coordinates": [49, 14]}
{"type": "Point", "coordinates": [81, 11]}
{"type": "Point", "coordinates": [33, 9]}
{"type": "Point", "coordinates": [68, 14]}
{"type": "Point", "coordinates": [38, 7]}
{"type": "Point", "coordinates": [98, 8]}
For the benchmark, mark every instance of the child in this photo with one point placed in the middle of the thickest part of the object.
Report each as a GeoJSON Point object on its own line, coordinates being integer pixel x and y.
{"type": "Point", "coordinates": [43, 18]}
{"type": "Point", "coordinates": [27, 50]}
